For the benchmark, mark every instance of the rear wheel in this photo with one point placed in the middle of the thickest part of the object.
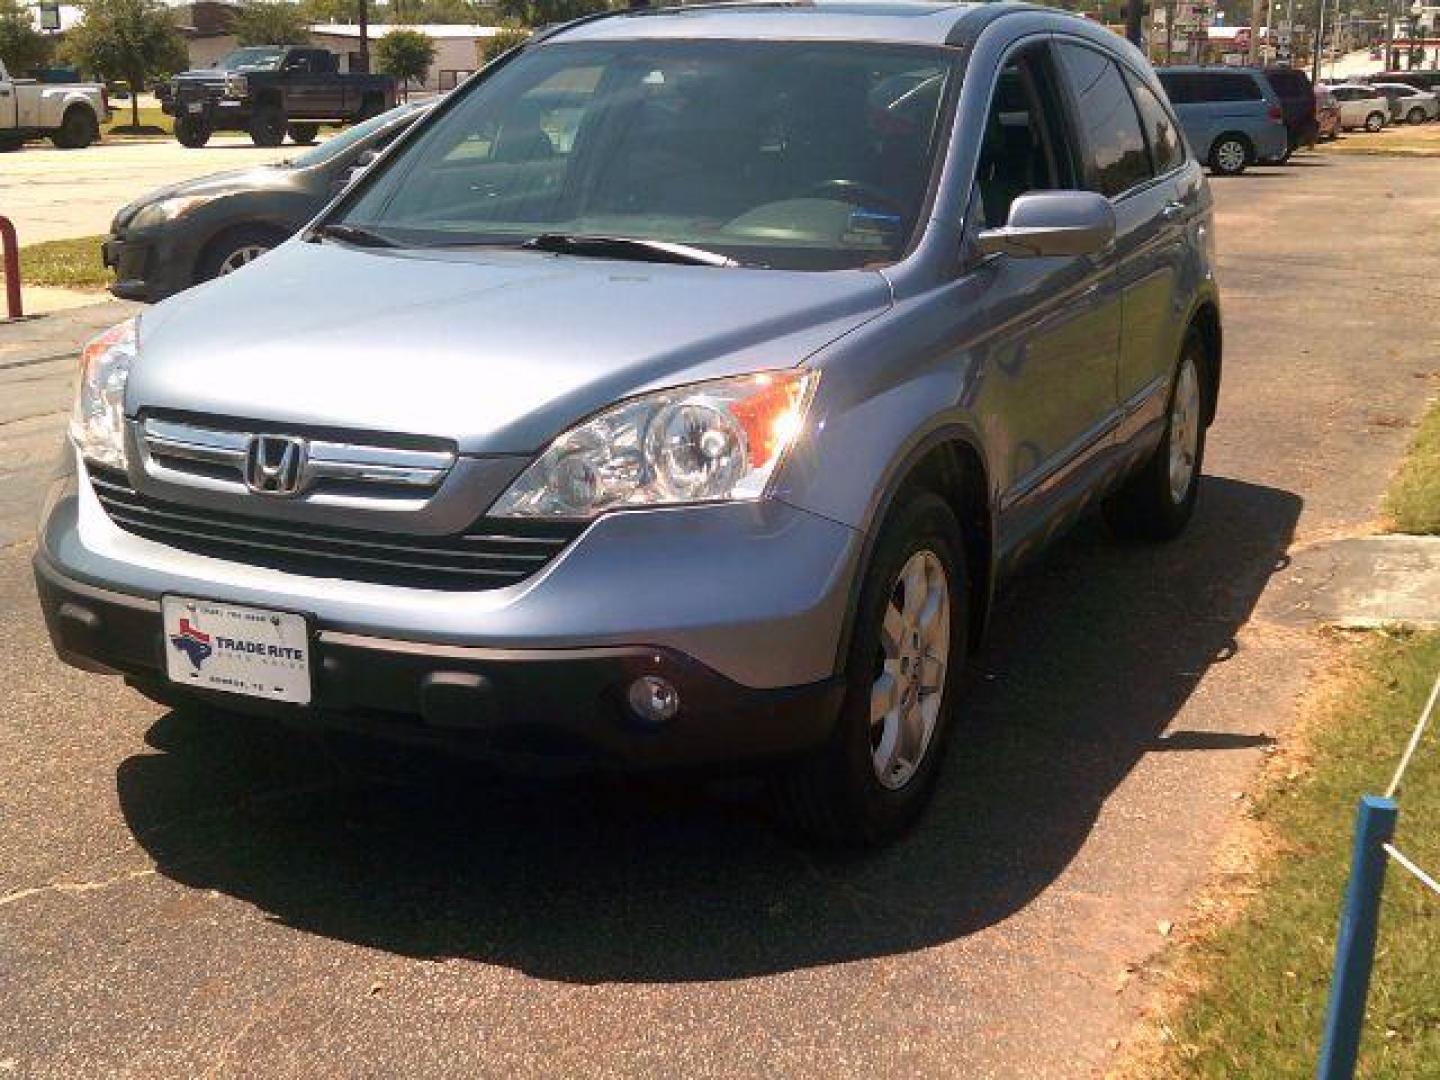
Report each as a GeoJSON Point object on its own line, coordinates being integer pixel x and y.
{"type": "Point", "coordinates": [78, 129]}
{"type": "Point", "coordinates": [304, 134]}
{"type": "Point", "coordinates": [191, 132]}
{"type": "Point", "coordinates": [10, 141]}
{"type": "Point", "coordinates": [1229, 155]}
{"type": "Point", "coordinates": [267, 126]}
{"type": "Point", "coordinates": [1416, 115]}
{"type": "Point", "coordinates": [1157, 503]}
{"type": "Point", "coordinates": [879, 768]}
{"type": "Point", "coordinates": [1375, 121]}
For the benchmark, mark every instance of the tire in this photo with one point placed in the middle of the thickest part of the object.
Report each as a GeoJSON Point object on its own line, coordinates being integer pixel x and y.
{"type": "Point", "coordinates": [78, 129]}
{"type": "Point", "coordinates": [370, 108]}
{"type": "Point", "coordinates": [1157, 503]}
{"type": "Point", "coordinates": [10, 141]}
{"type": "Point", "coordinates": [303, 134]}
{"type": "Point", "coordinates": [861, 789]}
{"type": "Point", "coordinates": [1374, 122]}
{"type": "Point", "coordinates": [235, 248]}
{"type": "Point", "coordinates": [1416, 116]}
{"type": "Point", "coordinates": [267, 126]}
{"type": "Point", "coordinates": [1230, 154]}
{"type": "Point", "coordinates": [191, 133]}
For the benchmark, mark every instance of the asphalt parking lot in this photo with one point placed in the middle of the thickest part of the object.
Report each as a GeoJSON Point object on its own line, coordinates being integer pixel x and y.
{"type": "Point", "coordinates": [187, 893]}
{"type": "Point", "coordinates": [52, 194]}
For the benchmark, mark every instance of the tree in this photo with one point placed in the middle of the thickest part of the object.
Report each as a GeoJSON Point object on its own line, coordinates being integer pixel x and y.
{"type": "Point", "coordinates": [22, 47]}
{"type": "Point", "coordinates": [545, 12]}
{"type": "Point", "coordinates": [406, 54]}
{"type": "Point", "coordinates": [507, 39]}
{"type": "Point", "coordinates": [271, 22]}
{"type": "Point", "coordinates": [134, 40]}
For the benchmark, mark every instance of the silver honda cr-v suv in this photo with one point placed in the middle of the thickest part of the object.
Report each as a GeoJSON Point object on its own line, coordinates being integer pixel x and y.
{"type": "Point", "coordinates": [675, 393]}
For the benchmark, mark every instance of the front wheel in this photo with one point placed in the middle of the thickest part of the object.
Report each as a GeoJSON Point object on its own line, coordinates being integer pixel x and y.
{"type": "Point", "coordinates": [902, 673]}
{"type": "Point", "coordinates": [303, 134]}
{"type": "Point", "coordinates": [1229, 155]}
{"type": "Point", "coordinates": [1416, 115]}
{"type": "Point", "coordinates": [191, 133]}
{"type": "Point", "coordinates": [235, 249]}
{"type": "Point", "coordinates": [1157, 502]}
{"type": "Point", "coordinates": [1374, 122]}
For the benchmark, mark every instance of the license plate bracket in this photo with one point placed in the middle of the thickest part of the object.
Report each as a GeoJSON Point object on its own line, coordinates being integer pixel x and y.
{"type": "Point", "coordinates": [237, 649]}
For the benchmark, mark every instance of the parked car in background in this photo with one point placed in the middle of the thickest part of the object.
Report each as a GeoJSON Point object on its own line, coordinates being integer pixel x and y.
{"type": "Point", "coordinates": [1232, 117]}
{"type": "Point", "coordinates": [1420, 78]}
{"type": "Point", "coordinates": [1409, 104]}
{"type": "Point", "coordinates": [695, 436]}
{"type": "Point", "coordinates": [205, 228]}
{"type": "Point", "coordinates": [1361, 106]}
{"type": "Point", "coordinates": [1297, 104]}
{"type": "Point", "coordinates": [271, 91]}
{"type": "Point", "coordinates": [69, 113]}
{"type": "Point", "coordinates": [1327, 113]}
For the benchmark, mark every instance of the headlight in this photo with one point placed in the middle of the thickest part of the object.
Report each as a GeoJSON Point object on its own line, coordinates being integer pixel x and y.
{"type": "Point", "coordinates": [707, 442]}
{"type": "Point", "coordinates": [98, 423]}
{"type": "Point", "coordinates": [236, 86]}
{"type": "Point", "coordinates": [158, 213]}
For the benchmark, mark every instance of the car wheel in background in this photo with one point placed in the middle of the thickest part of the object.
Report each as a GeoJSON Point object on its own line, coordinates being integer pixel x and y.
{"type": "Point", "coordinates": [191, 133]}
{"type": "Point", "coordinates": [267, 126]}
{"type": "Point", "coordinates": [1229, 155]}
{"type": "Point", "coordinates": [1158, 501]}
{"type": "Point", "coordinates": [77, 130]}
{"type": "Point", "coordinates": [1375, 121]}
{"type": "Point", "coordinates": [235, 248]}
{"type": "Point", "coordinates": [1416, 115]}
{"type": "Point", "coordinates": [902, 674]}
{"type": "Point", "coordinates": [304, 134]}
{"type": "Point", "coordinates": [10, 141]}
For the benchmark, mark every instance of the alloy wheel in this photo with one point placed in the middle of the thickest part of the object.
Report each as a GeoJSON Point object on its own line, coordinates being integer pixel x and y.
{"type": "Point", "coordinates": [1231, 155]}
{"type": "Point", "coordinates": [1184, 431]}
{"type": "Point", "coordinates": [911, 665]}
{"type": "Point", "coordinates": [246, 253]}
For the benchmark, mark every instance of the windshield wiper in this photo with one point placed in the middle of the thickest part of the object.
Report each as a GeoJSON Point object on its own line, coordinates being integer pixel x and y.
{"type": "Point", "coordinates": [350, 234]}
{"type": "Point", "coordinates": [626, 247]}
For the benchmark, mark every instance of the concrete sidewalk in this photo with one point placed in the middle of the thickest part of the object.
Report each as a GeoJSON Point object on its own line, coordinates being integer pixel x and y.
{"type": "Point", "coordinates": [57, 333]}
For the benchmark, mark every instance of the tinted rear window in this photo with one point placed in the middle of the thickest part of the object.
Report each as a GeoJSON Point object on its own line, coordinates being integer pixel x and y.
{"type": "Point", "coordinates": [1289, 83]}
{"type": "Point", "coordinates": [1197, 86]}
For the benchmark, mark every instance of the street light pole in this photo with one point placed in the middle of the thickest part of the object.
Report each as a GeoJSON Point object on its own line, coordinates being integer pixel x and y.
{"type": "Point", "coordinates": [1318, 44]}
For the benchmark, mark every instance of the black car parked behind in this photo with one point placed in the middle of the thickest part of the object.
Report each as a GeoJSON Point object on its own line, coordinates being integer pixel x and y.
{"type": "Point", "coordinates": [182, 235]}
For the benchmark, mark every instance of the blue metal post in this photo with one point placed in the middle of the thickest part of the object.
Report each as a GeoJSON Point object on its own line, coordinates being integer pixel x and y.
{"type": "Point", "coordinates": [1355, 947]}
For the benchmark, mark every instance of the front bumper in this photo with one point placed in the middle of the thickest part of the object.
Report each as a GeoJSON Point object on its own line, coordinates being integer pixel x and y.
{"type": "Point", "coordinates": [150, 265]}
{"type": "Point", "coordinates": [740, 605]}
{"type": "Point", "coordinates": [535, 709]}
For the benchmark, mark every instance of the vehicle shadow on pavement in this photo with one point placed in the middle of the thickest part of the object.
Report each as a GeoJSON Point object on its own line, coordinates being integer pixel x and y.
{"type": "Point", "coordinates": [1094, 651]}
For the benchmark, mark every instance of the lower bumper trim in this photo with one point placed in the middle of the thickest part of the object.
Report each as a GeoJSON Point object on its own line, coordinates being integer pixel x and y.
{"type": "Point", "coordinates": [527, 707]}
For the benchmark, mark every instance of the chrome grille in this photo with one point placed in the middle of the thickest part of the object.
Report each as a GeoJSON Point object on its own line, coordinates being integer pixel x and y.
{"type": "Point", "coordinates": [335, 472]}
{"type": "Point", "coordinates": [491, 554]}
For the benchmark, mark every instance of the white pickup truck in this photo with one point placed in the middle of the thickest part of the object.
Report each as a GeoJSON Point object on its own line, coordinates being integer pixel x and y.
{"type": "Point", "coordinates": [70, 113]}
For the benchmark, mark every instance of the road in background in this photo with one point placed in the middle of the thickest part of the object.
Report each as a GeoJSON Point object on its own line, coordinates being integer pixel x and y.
{"type": "Point", "coordinates": [186, 893]}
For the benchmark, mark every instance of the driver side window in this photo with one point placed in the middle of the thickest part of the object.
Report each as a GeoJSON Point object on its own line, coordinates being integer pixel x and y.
{"type": "Point", "coordinates": [1025, 144]}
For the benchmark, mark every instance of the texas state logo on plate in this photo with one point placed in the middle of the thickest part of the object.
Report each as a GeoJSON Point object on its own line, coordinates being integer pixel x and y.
{"type": "Point", "coordinates": [237, 649]}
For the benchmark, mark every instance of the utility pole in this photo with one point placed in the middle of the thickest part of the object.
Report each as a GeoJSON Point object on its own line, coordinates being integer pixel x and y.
{"type": "Point", "coordinates": [1257, 12]}
{"type": "Point", "coordinates": [1318, 44]}
{"type": "Point", "coordinates": [365, 36]}
{"type": "Point", "coordinates": [1169, 32]}
{"type": "Point", "coordinates": [1390, 59]}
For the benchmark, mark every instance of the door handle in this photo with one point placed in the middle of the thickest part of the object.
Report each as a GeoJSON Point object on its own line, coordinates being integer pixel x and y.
{"type": "Point", "coordinates": [1172, 210]}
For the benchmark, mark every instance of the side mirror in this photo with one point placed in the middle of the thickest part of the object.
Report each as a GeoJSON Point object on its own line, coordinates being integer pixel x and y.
{"type": "Point", "coordinates": [1050, 224]}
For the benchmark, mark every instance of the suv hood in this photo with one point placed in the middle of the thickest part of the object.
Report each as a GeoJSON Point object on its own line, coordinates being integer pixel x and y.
{"type": "Point", "coordinates": [497, 350]}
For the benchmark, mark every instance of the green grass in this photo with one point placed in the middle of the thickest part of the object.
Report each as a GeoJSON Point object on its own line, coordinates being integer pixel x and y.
{"type": "Point", "coordinates": [1413, 502]}
{"type": "Point", "coordinates": [70, 264]}
{"type": "Point", "coordinates": [152, 121]}
{"type": "Point", "coordinates": [1262, 980]}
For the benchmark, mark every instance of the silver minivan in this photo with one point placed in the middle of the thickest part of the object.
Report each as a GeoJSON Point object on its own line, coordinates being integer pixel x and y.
{"type": "Point", "coordinates": [677, 392]}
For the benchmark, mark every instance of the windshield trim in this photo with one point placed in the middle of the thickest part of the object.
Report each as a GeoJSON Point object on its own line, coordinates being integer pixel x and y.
{"type": "Point", "coordinates": [955, 61]}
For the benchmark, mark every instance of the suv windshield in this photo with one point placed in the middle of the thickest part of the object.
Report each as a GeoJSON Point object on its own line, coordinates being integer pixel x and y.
{"type": "Point", "coordinates": [254, 59]}
{"type": "Point", "coordinates": [792, 155]}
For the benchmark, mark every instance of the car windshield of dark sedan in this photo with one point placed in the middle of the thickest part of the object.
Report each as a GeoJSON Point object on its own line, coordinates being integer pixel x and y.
{"type": "Point", "coordinates": [363, 132]}
{"type": "Point", "coordinates": [255, 59]}
{"type": "Point", "coordinates": [795, 155]}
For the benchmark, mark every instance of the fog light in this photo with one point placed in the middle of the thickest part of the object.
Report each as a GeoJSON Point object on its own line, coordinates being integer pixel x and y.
{"type": "Point", "coordinates": [654, 699]}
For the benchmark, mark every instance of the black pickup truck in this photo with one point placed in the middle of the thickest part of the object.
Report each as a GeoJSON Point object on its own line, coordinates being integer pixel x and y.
{"type": "Point", "coordinates": [269, 90]}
